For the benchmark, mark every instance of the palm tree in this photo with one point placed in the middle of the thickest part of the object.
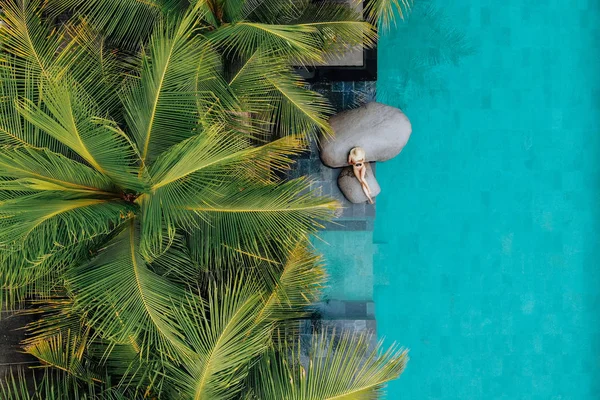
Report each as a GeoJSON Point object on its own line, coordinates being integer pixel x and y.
{"type": "Point", "coordinates": [143, 210]}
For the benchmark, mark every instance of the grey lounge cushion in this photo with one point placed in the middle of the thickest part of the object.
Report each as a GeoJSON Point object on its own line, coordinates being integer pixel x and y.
{"type": "Point", "coordinates": [351, 188]}
{"type": "Point", "coordinates": [380, 129]}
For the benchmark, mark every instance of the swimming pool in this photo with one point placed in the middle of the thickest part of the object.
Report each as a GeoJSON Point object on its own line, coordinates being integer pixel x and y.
{"type": "Point", "coordinates": [487, 225]}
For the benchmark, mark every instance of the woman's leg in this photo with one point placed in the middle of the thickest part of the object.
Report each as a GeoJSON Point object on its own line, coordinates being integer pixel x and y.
{"type": "Point", "coordinates": [365, 189]}
{"type": "Point", "coordinates": [359, 173]}
{"type": "Point", "coordinates": [363, 180]}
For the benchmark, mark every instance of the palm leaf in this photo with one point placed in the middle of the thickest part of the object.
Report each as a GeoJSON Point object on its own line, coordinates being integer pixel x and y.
{"type": "Point", "coordinates": [224, 336]}
{"type": "Point", "coordinates": [126, 23]}
{"type": "Point", "coordinates": [17, 280]}
{"type": "Point", "coordinates": [161, 107]}
{"type": "Point", "coordinates": [12, 131]}
{"type": "Point", "coordinates": [61, 338]}
{"type": "Point", "coordinates": [65, 352]}
{"type": "Point", "coordinates": [71, 120]}
{"type": "Point", "coordinates": [299, 110]}
{"type": "Point", "coordinates": [99, 70]}
{"type": "Point", "coordinates": [265, 85]}
{"type": "Point", "coordinates": [195, 169]}
{"type": "Point", "coordinates": [386, 11]}
{"type": "Point", "coordinates": [21, 279]}
{"type": "Point", "coordinates": [289, 41]}
{"type": "Point", "coordinates": [339, 27]}
{"type": "Point", "coordinates": [255, 219]}
{"type": "Point", "coordinates": [41, 170]}
{"type": "Point", "coordinates": [125, 300]}
{"type": "Point", "coordinates": [340, 368]}
{"type": "Point", "coordinates": [25, 35]}
{"type": "Point", "coordinates": [41, 224]}
{"type": "Point", "coordinates": [50, 384]}
{"type": "Point", "coordinates": [31, 54]}
{"type": "Point", "coordinates": [294, 287]}
{"type": "Point", "coordinates": [204, 156]}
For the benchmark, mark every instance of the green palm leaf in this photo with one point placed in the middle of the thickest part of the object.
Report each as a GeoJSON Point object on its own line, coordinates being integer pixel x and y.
{"type": "Point", "coordinates": [127, 23]}
{"type": "Point", "coordinates": [194, 170]}
{"type": "Point", "coordinates": [161, 107]}
{"type": "Point", "coordinates": [50, 384]}
{"type": "Point", "coordinates": [266, 86]}
{"type": "Point", "coordinates": [18, 280]}
{"type": "Point", "coordinates": [299, 109]}
{"type": "Point", "coordinates": [386, 11]}
{"type": "Point", "coordinates": [71, 121]}
{"type": "Point", "coordinates": [293, 42]}
{"type": "Point", "coordinates": [12, 131]}
{"type": "Point", "coordinates": [224, 336]}
{"type": "Point", "coordinates": [255, 219]}
{"type": "Point", "coordinates": [43, 170]}
{"type": "Point", "coordinates": [25, 35]}
{"type": "Point", "coordinates": [125, 300]}
{"type": "Point", "coordinates": [22, 279]}
{"type": "Point", "coordinates": [206, 155]}
{"type": "Point", "coordinates": [65, 352]}
{"type": "Point", "coordinates": [293, 288]}
{"type": "Point", "coordinates": [338, 27]}
{"type": "Point", "coordinates": [99, 70]}
{"type": "Point", "coordinates": [61, 338]}
{"type": "Point", "coordinates": [38, 225]}
{"type": "Point", "coordinates": [338, 368]}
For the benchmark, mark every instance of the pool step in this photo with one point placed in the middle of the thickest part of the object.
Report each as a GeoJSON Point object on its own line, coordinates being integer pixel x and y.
{"type": "Point", "coordinates": [348, 310]}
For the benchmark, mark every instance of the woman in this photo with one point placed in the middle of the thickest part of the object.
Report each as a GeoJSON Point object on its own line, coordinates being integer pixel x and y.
{"type": "Point", "coordinates": [357, 159]}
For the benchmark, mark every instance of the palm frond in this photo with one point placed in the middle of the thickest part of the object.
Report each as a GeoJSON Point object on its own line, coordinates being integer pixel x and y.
{"type": "Point", "coordinates": [204, 156]}
{"type": "Point", "coordinates": [126, 23]}
{"type": "Point", "coordinates": [49, 384]}
{"type": "Point", "coordinates": [27, 36]}
{"type": "Point", "coordinates": [72, 120]}
{"type": "Point", "coordinates": [255, 219]}
{"type": "Point", "coordinates": [340, 368]}
{"type": "Point", "coordinates": [265, 85]}
{"type": "Point", "coordinates": [21, 279]}
{"type": "Point", "coordinates": [125, 300]}
{"type": "Point", "coordinates": [339, 27]}
{"type": "Point", "coordinates": [99, 70]}
{"type": "Point", "coordinates": [195, 169]}
{"type": "Point", "coordinates": [65, 352]}
{"type": "Point", "coordinates": [61, 338]}
{"type": "Point", "coordinates": [298, 110]}
{"type": "Point", "coordinates": [43, 170]}
{"type": "Point", "coordinates": [294, 287]}
{"type": "Point", "coordinates": [161, 107]}
{"type": "Point", "coordinates": [12, 131]}
{"type": "Point", "coordinates": [17, 280]}
{"type": "Point", "coordinates": [225, 335]}
{"type": "Point", "coordinates": [293, 42]}
{"type": "Point", "coordinates": [40, 224]}
{"type": "Point", "coordinates": [385, 12]}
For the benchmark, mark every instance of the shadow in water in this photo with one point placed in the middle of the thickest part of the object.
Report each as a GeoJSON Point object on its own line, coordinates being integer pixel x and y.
{"type": "Point", "coordinates": [423, 42]}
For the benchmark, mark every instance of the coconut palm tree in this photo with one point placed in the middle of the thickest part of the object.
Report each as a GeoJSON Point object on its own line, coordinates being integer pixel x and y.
{"type": "Point", "coordinates": [145, 214]}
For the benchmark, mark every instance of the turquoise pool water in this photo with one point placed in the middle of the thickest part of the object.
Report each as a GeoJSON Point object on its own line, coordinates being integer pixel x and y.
{"type": "Point", "coordinates": [488, 225]}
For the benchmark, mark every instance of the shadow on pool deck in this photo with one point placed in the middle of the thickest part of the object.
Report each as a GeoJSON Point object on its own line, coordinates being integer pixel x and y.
{"type": "Point", "coordinates": [11, 333]}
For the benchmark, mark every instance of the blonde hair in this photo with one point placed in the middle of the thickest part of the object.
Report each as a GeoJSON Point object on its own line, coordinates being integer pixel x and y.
{"type": "Point", "coordinates": [357, 154]}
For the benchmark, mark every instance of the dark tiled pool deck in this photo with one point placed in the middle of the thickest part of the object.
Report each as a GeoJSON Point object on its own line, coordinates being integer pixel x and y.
{"type": "Point", "coordinates": [347, 242]}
